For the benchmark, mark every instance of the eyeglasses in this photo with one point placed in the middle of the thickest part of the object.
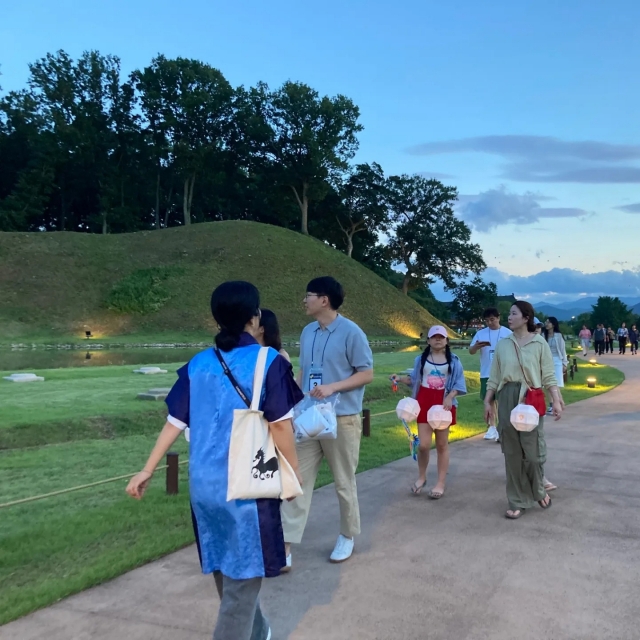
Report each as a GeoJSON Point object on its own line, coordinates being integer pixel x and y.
{"type": "Point", "coordinates": [309, 295]}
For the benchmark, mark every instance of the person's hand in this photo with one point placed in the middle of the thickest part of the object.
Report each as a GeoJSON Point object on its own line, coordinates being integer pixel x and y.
{"type": "Point", "coordinates": [483, 343]}
{"type": "Point", "coordinates": [557, 406]}
{"type": "Point", "coordinates": [447, 403]}
{"type": "Point", "coordinates": [299, 476]}
{"type": "Point", "coordinates": [322, 391]}
{"type": "Point", "coordinates": [138, 484]}
{"type": "Point", "coordinates": [489, 413]}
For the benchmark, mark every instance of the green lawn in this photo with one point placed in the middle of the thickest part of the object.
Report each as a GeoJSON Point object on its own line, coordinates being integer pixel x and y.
{"type": "Point", "coordinates": [84, 425]}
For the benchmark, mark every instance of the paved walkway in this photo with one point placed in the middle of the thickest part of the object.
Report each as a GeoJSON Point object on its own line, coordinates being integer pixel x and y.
{"type": "Point", "coordinates": [423, 569]}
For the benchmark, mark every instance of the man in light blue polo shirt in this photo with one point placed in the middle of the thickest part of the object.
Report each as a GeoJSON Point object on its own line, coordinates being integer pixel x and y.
{"type": "Point", "coordinates": [335, 357]}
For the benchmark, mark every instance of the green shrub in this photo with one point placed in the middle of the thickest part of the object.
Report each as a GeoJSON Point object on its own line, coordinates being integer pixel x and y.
{"type": "Point", "coordinates": [142, 291]}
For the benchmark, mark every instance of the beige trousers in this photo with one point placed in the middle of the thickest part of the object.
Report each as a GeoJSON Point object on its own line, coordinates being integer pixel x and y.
{"type": "Point", "coordinates": [342, 455]}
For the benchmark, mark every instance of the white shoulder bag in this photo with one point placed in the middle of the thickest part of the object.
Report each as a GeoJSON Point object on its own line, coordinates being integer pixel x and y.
{"type": "Point", "coordinates": [256, 468]}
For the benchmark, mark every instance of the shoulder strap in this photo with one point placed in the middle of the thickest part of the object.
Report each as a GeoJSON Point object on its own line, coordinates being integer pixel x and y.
{"type": "Point", "coordinates": [229, 375]}
{"type": "Point", "coordinates": [258, 377]}
{"type": "Point", "coordinates": [524, 375]}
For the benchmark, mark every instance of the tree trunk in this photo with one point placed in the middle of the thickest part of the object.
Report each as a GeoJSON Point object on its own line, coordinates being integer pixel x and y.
{"type": "Point", "coordinates": [304, 207]}
{"type": "Point", "coordinates": [167, 210]}
{"type": "Point", "coordinates": [104, 222]}
{"type": "Point", "coordinates": [349, 244]}
{"type": "Point", "coordinates": [405, 283]}
{"type": "Point", "coordinates": [158, 201]}
{"type": "Point", "coordinates": [188, 198]}
{"type": "Point", "coordinates": [185, 201]}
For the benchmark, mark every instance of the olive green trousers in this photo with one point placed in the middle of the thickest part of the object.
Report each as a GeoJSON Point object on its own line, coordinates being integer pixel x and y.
{"type": "Point", "coordinates": [525, 453]}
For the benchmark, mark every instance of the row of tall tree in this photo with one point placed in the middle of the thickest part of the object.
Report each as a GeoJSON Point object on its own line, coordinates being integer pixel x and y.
{"type": "Point", "coordinates": [83, 148]}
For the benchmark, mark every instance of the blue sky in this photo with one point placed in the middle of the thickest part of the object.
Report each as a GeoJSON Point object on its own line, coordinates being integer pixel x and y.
{"type": "Point", "coordinates": [529, 108]}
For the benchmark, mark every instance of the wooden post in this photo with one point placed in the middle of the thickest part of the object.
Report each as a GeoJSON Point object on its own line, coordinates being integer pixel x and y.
{"type": "Point", "coordinates": [172, 473]}
{"type": "Point", "coordinates": [575, 364]}
{"type": "Point", "coordinates": [366, 423]}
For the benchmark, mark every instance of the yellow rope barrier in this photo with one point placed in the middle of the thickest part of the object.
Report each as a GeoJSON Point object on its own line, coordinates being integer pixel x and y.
{"type": "Point", "coordinates": [82, 486]}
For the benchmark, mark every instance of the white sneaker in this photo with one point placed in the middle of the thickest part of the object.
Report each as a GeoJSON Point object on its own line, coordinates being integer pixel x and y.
{"type": "Point", "coordinates": [492, 434]}
{"type": "Point", "coordinates": [269, 634]}
{"type": "Point", "coordinates": [342, 550]}
{"type": "Point", "coordinates": [287, 567]}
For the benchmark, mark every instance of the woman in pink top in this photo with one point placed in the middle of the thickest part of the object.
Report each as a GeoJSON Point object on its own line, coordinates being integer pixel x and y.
{"type": "Point", "coordinates": [585, 338]}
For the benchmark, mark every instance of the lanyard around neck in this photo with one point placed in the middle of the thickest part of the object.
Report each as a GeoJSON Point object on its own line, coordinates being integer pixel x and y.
{"type": "Point", "coordinates": [313, 348]}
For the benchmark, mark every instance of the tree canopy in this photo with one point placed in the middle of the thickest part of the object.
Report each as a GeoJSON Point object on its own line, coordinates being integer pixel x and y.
{"type": "Point", "coordinates": [85, 148]}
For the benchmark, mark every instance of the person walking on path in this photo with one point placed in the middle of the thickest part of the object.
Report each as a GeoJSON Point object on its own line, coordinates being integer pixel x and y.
{"type": "Point", "coordinates": [335, 357]}
{"type": "Point", "coordinates": [485, 341]}
{"type": "Point", "coordinates": [633, 339]}
{"type": "Point", "coordinates": [239, 541]}
{"type": "Point", "coordinates": [623, 336]}
{"type": "Point", "coordinates": [585, 338]}
{"type": "Point", "coordinates": [558, 348]}
{"type": "Point", "coordinates": [437, 378]}
{"type": "Point", "coordinates": [599, 338]}
{"type": "Point", "coordinates": [522, 361]}
{"type": "Point", "coordinates": [611, 336]}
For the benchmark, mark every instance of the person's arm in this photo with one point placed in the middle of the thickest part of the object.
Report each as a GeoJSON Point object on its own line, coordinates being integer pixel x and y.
{"type": "Point", "coordinates": [360, 357]}
{"type": "Point", "coordinates": [355, 381]}
{"type": "Point", "coordinates": [563, 353]}
{"type": "Point", "coordinates": [549, 381]}
{"type": "Point", "coordinates": [284, 439]}
{"type": "Point", "coordinates": [139, 483]}
{"type": "Point", "coordinates": [476, 344]}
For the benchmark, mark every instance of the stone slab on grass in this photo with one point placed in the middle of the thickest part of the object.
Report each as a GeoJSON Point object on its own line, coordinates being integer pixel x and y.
{"type": "Point", "coordinates": [24, 377]}
{"type": "Point", "coordinates": [148, 371]}
{"type": "Point", "coordinates": [154, 394]}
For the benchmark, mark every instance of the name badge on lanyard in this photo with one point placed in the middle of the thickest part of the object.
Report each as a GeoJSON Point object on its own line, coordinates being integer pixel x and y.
{"type": "Point", "coordinates": [491, 354]}
{"type": "Point", "coordinates": [315, 379]}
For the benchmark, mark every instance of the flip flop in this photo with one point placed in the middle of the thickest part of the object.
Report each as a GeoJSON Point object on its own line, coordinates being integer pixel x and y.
{"type": "Point", "coordinates": [543, 505]}
{"type": "Point", "coordinates": [520, 512]}
{"type": "Point", "coordinates": [416, 489]}
{"type": "Point", "coordinates": [435, 495]}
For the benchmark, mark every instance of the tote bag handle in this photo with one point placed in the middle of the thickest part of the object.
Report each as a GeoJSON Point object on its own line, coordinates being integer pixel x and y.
{"type": "Point", "coordinates": [258, 378]}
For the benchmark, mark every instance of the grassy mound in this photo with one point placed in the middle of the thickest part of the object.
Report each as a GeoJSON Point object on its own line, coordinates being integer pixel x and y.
{"type": "Point", "coordinates": [159, 282]}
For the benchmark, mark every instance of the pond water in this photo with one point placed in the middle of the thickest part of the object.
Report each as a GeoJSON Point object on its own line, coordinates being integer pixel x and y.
{"type": "Point", "coordinates": [21, 359]}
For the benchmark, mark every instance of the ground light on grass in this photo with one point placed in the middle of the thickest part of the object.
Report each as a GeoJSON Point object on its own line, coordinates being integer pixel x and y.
{"type": "Point", "coordinates": [56, 547]}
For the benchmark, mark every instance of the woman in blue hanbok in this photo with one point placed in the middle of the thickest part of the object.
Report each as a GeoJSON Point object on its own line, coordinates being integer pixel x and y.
{"type": "Point", "coordinates": [240, 541]}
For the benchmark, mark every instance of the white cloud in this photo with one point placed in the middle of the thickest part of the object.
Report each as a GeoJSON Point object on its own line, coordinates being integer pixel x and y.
{"type": "Point", "coordinates": [497, 207]}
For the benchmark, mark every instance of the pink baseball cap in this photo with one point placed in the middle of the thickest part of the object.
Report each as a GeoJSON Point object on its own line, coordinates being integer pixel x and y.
{"type": "Point", "coordinates": [437, 330]}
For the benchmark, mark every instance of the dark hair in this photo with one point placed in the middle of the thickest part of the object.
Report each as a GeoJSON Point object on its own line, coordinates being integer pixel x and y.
{"type": "Point", "coordinates": [233, 305]}
{"type": "Point", "coordinates": [427, 352]}
{"type": "Point", "coordinates": [269, 321]}
{"type": "Point", "coordinates": [490, 312]}
{"type": "Point", "coordinates": [330, 287]}
{"type": "Point", "coordinates": [527, 312]}
{"type": "Point", "coordinates": [556, 326]}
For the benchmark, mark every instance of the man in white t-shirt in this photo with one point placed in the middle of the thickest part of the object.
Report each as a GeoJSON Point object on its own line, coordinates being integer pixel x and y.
{"type": "Point", "coordinates": [485, 341]}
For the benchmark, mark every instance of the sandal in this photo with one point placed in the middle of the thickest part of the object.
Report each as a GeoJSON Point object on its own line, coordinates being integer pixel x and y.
{"type": "Point", "coordinates": [416, 489]}
{"type": "Point", "coordinates": [542, 502]}
{"type": "Point", "coordinates": [549, 486]}
{"type": "Point", "coordinates": [435, 495]}
{"type": "Point", "coordinates": [515, 514]}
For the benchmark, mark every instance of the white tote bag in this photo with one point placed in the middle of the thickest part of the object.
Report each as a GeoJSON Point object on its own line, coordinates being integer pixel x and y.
{"type": "Point", "coordinates": [256, 467]}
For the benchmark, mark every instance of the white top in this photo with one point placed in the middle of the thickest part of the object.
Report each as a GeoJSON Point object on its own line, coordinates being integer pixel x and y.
{"type": "Point", "coordinates": [558, 349]}
{"type": "Point", "coordinates": [434, 375]}
{"type": "Point", "coordinates": [486, 353]}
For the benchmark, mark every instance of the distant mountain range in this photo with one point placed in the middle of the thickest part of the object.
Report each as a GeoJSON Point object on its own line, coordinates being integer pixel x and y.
{"type": "Point", "coordinates": [567, 310]}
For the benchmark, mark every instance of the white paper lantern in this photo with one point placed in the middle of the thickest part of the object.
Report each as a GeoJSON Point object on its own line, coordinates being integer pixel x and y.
{"type": "Point", "coordinates": [408, 409]}
{"type": "Point", "coordinates": [438, 417]}
{"type": "Point", "coordinates": [525, 417]}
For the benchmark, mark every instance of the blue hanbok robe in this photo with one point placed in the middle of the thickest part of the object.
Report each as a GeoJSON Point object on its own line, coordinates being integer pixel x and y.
{"type": "Point", "coordinates": [242, 538]}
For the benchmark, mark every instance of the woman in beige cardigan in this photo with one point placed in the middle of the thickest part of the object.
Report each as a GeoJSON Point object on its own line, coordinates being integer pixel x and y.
{"type": "Point", "coordinates": [522, 359]}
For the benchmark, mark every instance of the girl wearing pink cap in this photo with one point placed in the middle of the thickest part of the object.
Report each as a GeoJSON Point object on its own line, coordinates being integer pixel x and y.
{"type": "Point", "coordinates": [437, 378]}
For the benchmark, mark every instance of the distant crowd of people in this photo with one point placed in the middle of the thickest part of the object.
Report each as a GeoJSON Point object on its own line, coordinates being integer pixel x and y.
{"type": "Point", "coordinates": [243, 541]}
{"type": "Point", "coordinates": [604, 339]}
